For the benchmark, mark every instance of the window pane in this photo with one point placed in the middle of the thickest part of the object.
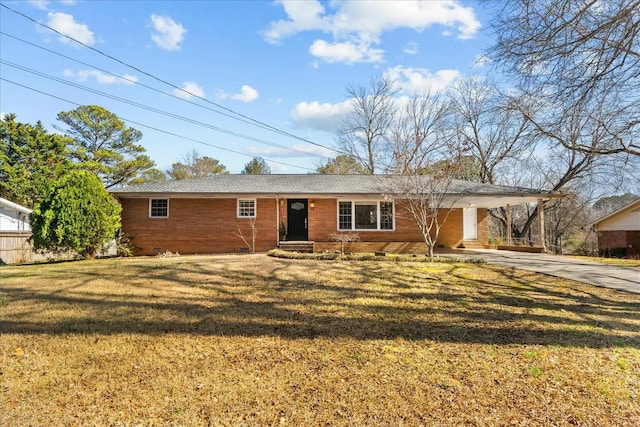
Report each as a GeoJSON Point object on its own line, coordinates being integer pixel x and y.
{"type": "Point", "coordinates": [247, 208]}
{"type": "Point", "coordinates": [386, 216]}
{"type": "Point", "coordinates": [344, 220]}
{"type": "Point", "coordinates": [366, 216]}
{"type": "Point", "coordinates": [159, 207]}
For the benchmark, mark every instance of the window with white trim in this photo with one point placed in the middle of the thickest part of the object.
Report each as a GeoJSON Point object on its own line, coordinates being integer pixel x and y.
{"type": "Point", "coordinates": [246, 208]}
{"type": "Point", "coordinates": [159, 208]}
{"type": "Point", "coordinates": [365, 215]}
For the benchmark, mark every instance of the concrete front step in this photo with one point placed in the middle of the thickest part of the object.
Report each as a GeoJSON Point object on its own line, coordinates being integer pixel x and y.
{"type": "Point", "coordinates": [471, 244]}
{"type": "Point", "coordinates": [296, 246]}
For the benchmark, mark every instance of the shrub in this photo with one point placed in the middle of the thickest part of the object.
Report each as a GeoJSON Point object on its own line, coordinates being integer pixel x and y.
{"type": "Point", "coordinates": [78, 214]}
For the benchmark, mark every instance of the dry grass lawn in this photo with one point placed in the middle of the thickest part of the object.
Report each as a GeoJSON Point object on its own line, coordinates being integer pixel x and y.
{"type": "Point", "coordinates": [612, 261]}
{"type": "Point", "coordinates": [258, 341]}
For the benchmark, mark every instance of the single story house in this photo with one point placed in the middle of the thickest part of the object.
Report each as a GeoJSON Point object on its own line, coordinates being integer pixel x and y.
{"type": "Point", "coordinates": [236, 213]}
{"type": "Point", "coordinates": [619, 232]}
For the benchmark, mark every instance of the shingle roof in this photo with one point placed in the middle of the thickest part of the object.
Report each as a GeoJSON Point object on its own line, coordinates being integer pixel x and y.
{"type": "Point", "coordinates": [318, 185]}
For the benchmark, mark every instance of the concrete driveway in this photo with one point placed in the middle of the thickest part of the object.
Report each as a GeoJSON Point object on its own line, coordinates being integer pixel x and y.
{"type": "Point", "coordinates": [598, 274]}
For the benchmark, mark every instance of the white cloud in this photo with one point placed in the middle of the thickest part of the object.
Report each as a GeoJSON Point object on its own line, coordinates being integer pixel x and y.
{"type": "Point", "coordinates": [100, 77]}
{"type": "Point", "coordinates": [327, 117]}
{"type": "Point", "coordinates": [66, 24]}
{"type": "Point", "coordinates": [168, 34]}
{"type": "Point", "coordinates": [44, 4]}
{"type": "Point", "coordinates": [321, 116]}
{"type": "Point", "coordinates": [192, 88]}
{"type": "Point", "coordinates": [247, 94]}
{"type": "Point", "coordinates": [345, 52]}
{"type": "Point", "coordinates": [360, 23]}
{"type": "Point", "coordinates": [411, 80]}
{"type": "Point", "coordinates": [303, 16]}
{"type": "Point", "coordinates": [411, 48]}
{"type": "Point", "coordinates": [40, 4]}
{"type": "Point", "coordinates": [481, 61]}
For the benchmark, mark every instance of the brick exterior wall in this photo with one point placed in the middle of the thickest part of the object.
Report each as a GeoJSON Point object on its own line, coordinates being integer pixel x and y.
{"type": "Point", "coordinates": [619, 243]}
{"type": "Point", "coordinates": [197, 226]}
{"type": "Point", "coordinates": [633, 244]}
{"type": "Point", "coordinates": [406, 238]}
{"type": "Point", "coordinates": [210, 225]}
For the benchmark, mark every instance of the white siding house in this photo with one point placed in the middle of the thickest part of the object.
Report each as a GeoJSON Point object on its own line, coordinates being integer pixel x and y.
{"type": "Point", "coordinates": [15, 232]}
{"type": "Point", "coordinates": [13, 217]}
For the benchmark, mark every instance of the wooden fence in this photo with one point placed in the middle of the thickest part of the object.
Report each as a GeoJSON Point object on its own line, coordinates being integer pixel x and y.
{"type": "Point", "coordinates": [16, 248]}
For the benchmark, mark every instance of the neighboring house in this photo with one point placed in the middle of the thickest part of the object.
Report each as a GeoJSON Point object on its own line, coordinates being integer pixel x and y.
{"type": "Point", "coordinates": [13, 217]}
{"type": "Point", "coordinates": [619, 232]}
{"type": "Point", "coordinates": [15, 232]}
{"type": "Point", "coordinates": [224, 213]}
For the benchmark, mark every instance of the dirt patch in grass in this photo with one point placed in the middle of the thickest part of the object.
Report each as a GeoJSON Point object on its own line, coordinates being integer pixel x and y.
{"type": "Point", "coordinates": [254, 340]}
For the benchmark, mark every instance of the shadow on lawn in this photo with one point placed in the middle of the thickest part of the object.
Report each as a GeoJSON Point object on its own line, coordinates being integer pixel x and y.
{"type": "Point", "coordinates": [377, 304]}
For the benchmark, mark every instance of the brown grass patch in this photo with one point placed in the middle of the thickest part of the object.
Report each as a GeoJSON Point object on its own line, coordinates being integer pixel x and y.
{"type": "Point", "coordinates": [253, 340]}
{"type": "Point", "coordinates": [611, 261]}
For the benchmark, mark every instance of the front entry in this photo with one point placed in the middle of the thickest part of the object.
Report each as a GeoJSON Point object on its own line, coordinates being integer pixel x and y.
{"type": "Point", "coordinates": [297, 221]}
{"type": "Point", "coordinates": [470, 224]}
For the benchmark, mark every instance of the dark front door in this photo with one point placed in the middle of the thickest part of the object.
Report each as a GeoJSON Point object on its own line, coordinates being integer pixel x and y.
{"type": "Point", "coordinates": [297, 220]}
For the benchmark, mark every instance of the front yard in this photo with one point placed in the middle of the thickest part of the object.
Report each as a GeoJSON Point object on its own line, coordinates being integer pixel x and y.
{"type": "Point", "coordinates": [253, 340]}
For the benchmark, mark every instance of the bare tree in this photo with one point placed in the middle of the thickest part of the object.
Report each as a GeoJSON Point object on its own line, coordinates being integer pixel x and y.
{"type": "Point", "coordinates": [488, 126]}
{"type": "Point", "coordinates": [427, 199]}
{"type": "Point", "coordinates": [419, 132]}
{"type": "Point", "coordinates": [364, 132]}
{"type": "Point", "coordinates": [344, 238]}
{"type": "Point", "coordinates": [250, 240]}
{"type": "Point", "coordinates": [584, 51]}
{"type": "Point", "coordinates": [564, 218]}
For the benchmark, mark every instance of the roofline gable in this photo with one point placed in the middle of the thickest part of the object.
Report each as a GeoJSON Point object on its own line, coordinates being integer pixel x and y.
{"type": "Point", "coordinates": [15, 206]}
{"type": "Point", "coordinates": [623, 210]}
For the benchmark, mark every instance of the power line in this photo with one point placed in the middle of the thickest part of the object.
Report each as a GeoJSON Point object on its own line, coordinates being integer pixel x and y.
{"type": "Point", "coordinates": [158, 129]}
{"type": "Point", "coordinates": [156, 110]}
{"type": "Point", "coordinates": [132, 81]}
{"type": "Point", "coordinates": [113, 58]}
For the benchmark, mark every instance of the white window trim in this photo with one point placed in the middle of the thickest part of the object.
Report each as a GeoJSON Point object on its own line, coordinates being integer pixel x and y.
{"type": "Point", "coordinates": [255, 208]}
{"type": "Point", "coordinates": [158, 198]}
{"type": "Point", "coordinates": [377, 202]}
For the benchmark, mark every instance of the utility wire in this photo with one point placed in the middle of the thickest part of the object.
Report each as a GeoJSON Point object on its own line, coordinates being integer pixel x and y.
{"type": "Point", "coordinates": [252, 120]}
{"type": "Point", "coordinates": [132, 81]}
{"type": "Point", "coordinates": [158, 129]}
{"type": "Point", "coordinates": [156, 110]}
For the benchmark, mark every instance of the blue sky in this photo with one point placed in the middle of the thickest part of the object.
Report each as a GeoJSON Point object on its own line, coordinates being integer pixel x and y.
{"type": "Point", "coordinates": [283, 64]}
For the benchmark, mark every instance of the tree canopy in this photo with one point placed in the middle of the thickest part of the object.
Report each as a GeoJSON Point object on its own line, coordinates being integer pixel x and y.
{"type": "Point", "coordinates": [78, 214]}
{"type": "Point", "coordinates": [30, 159]}
{"type": "Point", "coordinates": [257, 166]}
{"type": "Point", "coordinates": [102, 144]}
{"type": "Point", "coordinates": [342, 164]}
{"type": "Point", "coordinates": [195, 166]}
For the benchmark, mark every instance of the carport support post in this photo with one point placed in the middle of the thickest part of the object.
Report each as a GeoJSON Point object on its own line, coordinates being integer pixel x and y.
{"type": "Point", "coordinates": [508, 242]}
{"type": "Point", "coordinates": [541, 224]}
